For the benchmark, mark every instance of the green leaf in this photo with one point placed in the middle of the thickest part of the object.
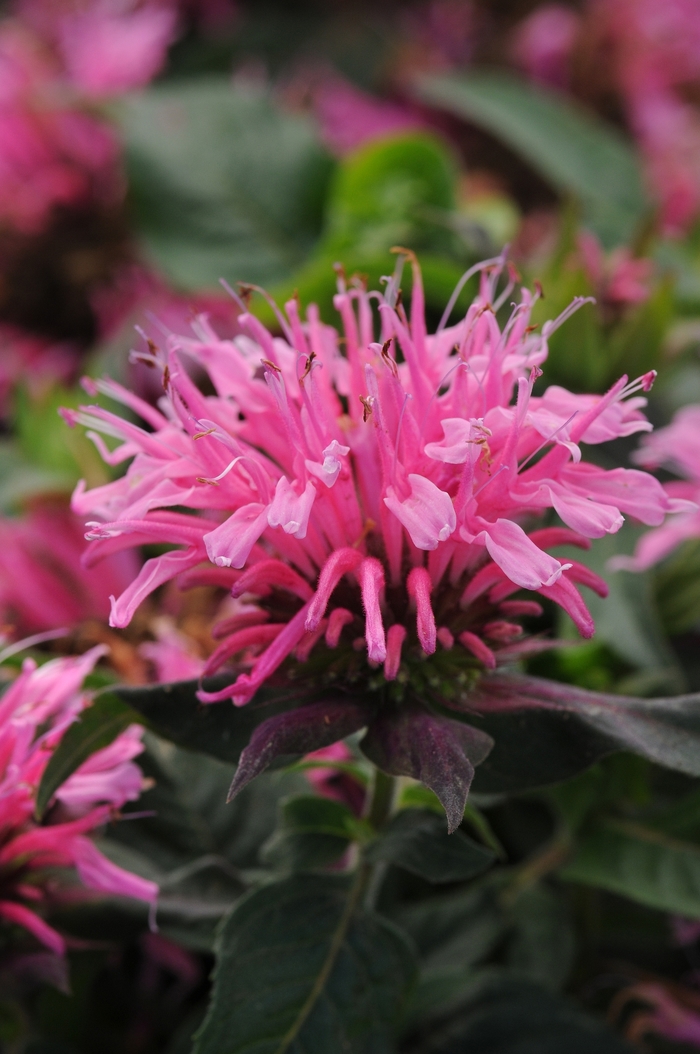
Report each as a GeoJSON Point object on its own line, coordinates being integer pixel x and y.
{"type": "Point", "coordinates": [638, 862]}
{"type": "Point", "coordinates": [415, 840]}
{"type": "Point", "coordinates": [97, 727]}
{"type": "Point", "coordinates": [302, 968]}
{"type": "Point", "coordinates": [218, 729]}
{"type": "Point", "coordinates": [312, 833]}
{"type": "Point", "coordinates": [545, 732]}
{"type": "Point", "coordinates": [223, 183]}
{"type": "Point", "coordinates": [389, 193]}
{"type": "Point", "coordinates": [543, 944]}
{"type": "Point", "coordinates": [677, 589]}
{"type": "Point", "coordinates": [577, 153]}
{"type": "Point", "coordinates": [514, 1016]}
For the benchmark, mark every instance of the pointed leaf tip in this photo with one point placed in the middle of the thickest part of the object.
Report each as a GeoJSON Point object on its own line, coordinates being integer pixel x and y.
{"type": "Point", "coordinates": [297, 732]}
{"type": "Point", "coordinates": [441, 753]}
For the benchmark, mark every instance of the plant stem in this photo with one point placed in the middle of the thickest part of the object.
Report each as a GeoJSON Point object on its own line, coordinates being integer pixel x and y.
{"type": "Point", "coordinates": [378, 810]}
{"type": "Point", "coordinates": [380, 799]}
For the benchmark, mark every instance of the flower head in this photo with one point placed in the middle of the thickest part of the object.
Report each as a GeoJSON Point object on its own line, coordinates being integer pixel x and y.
{"type": "Point", "coordinates": [374, 496]}
{"type": "Point", "coordinates": [35, 712]}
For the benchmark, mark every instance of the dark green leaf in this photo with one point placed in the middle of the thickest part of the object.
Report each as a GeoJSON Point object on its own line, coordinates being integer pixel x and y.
{"type": "Point", "coordinates": [97, 727]}
{"type": "Point", "coordinates": [545, 732]}
{"type": "Point", "coordinates": [508, 1016]}
{"type": "Point", "coordinates": [223, 183]}
{"type": "Point", "coordinates": [577, 153]}
{"type": "Point", "coordinates": [640, 863]}
{"type": "Point", "coordinates": [543, 944]}
{"type": "Point", "coordinates": [220, 729]}
{"type": "Point", "coordinates": [416, 840]}
{"type": "Point", "coordinates": [301, 968]}
{"type": "Point", "coordinates": [312, 833]}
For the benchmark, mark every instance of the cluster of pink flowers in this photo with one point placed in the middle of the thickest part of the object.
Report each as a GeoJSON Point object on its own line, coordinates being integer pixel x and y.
{"type": "Point", "coordinates": [35, 712]}
{"type": "Point", "coordinates": [676, 447]}
{"type": "Point", "coordinates": [651, 52]}
{"type": "Point", "coordinates": [43, 583]}
{"type": "Point", "coordinates": [383, 489]}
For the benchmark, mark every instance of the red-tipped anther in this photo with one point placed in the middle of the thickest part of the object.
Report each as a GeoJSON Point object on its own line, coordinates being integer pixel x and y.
{"type": "Point", "coordinates": [371, 576]}
{"type": "Point", "coordinates": [478, 649]}
{"type": "Point", "coordinates": [337, 565]}
{"type": "Point", "coordinates": [418, 586]}
{"type": "Point", "coordinates": [394, 640]}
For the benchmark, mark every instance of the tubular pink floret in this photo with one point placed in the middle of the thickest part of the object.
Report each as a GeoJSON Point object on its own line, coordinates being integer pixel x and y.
{"type": "Point", "coordinates": [446, 638]}
{"type": "Point", "coordinates": [419, 587]}
{"type": "Point", "coordinates": [272, 574]}
{"type": "Point", "coordinates": [583, 575]}
{"type": "Point", "coordinates": [499, 629]}
{"type": "Point", "coordinates": [243, 690]}
{"type": "Point", "coordinates": [551, 537]}
{"type": "Point", "coordinates": [521, 608]}
{"type": "Point", "coordinates": [371, 577]}
{"type": "Point", "coordinates": [338, 564]}
{"type": "Point", "coordinates": [337, 620]}
{"type": "Point", "coordinates": [479, 650]}
{"type": "Point", "coordinates": [567, 596]}
{"type": "Point", "coordinates": [309, 641]}
{"type": "Point", "coordinates": [251, 637]}
{"type": "Point", "coordinates": [394, 640]}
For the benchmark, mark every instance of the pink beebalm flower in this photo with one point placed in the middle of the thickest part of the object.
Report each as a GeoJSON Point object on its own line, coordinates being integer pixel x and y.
{"type": "Point", "coordinates": [108, 49]}
{"type": "Point", "coordinates": [656, 53]}
{"type": "Point", "coordinates": [35, 712]}
{"type": "Point", "coordinates": [375, 499]}
{"type": "Point", "coordinates": [676, 447]}
{"type": "Point", "coordinates": [349, 117]}
{"type": "Point", "coordinates": [618, 280]}
{"type": "Point", "coordinates": [51, 154]}
{"type": "Point", "coordinates": [43, 583]}
{"type": "Point", "coordinates": [544, 41]}
{"type": "Point", "coordinates": [172, 654]}
{"type": "Point", "coordinates": [332, 782]}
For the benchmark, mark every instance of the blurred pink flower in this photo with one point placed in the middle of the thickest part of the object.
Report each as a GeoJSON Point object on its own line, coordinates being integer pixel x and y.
{"type": "Point", "coordinates": [676, 447]}
{"type": "Point", "coordinates": [108, 49]}
{"type": "Point", "coordinates": [172, 654]}
{"type": "Point", "coordinates": [335, 783]}
{"type": "Point", "coordinates": [365, 486]}
{"type": "Point", "coordinates": [51, 153]}
{"type": "Point", "coordinates": [667, 1015]}
{"type": "Point", "coordinates": [35, 712]}
{"type": "Point", "coordinates": [350, 117]}
{"type": "Point", "coordinates": [43, 583]}
{"type": "Point", "coordinates": [618, 279]}
{"type": "Point", "coordinates": [544, 41]}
